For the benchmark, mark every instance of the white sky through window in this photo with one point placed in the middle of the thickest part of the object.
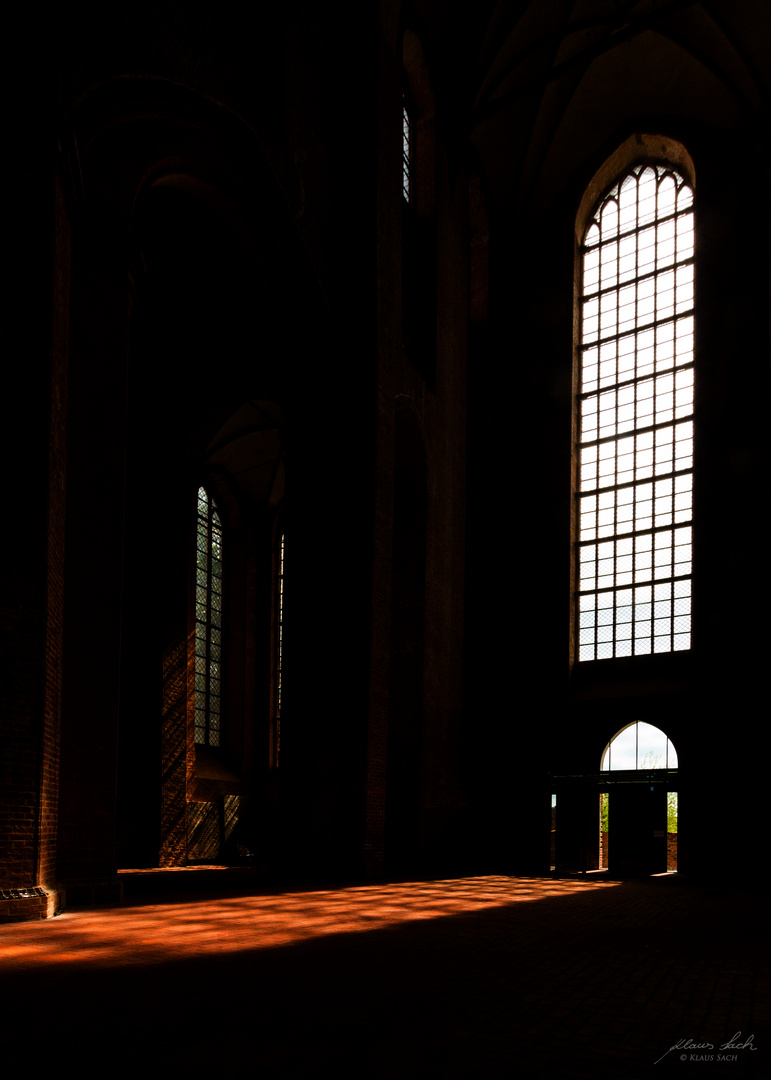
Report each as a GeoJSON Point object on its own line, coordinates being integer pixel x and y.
{"type": "Point", "coordinates": [635, 413]}
{"type": "Point", "coordinates": [639, 746]}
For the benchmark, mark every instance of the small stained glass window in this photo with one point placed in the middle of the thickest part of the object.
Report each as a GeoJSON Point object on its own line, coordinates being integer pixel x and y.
{"type": "Point", "coordinates": [208, 622]}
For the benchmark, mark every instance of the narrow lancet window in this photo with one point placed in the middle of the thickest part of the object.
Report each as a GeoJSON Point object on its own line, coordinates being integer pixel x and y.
{"type": "Point", "coordinates": [635, 419]}
{"type": "Point", "coordinates": [406, 154]}
{"type": "Point", "coordinates": [208, 622]}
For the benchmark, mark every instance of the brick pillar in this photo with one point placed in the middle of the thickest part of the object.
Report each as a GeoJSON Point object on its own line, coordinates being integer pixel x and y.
{"type": "Point", "coordinates": [36, 305]}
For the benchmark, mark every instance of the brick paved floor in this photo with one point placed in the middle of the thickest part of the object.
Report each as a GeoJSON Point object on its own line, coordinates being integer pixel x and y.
{"type": "Point", "coordinates": [473, 978]}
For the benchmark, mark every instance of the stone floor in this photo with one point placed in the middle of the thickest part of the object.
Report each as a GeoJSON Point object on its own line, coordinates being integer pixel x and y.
{"type": "Point", "coordinates": [469, 978]}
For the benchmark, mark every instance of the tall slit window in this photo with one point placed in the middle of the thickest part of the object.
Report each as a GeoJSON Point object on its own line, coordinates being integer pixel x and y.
{"type": "Point", "coordinates": [635, 419]}
{"type": "Point", "coordinates": [406, 153]}
{"type": "Point", "coordinates": [208, 622]}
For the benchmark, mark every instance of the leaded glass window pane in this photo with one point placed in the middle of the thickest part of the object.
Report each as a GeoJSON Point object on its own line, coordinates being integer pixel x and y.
{"type": "Point", "coordinates": [406, 154]}
{"type": "Point", "coordinates": [635, 419]}
{"type": "Point", "coordinates": [208, 621]}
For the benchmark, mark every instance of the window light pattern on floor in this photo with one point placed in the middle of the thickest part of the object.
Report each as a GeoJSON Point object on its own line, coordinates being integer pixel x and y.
{"type": "Point", "coordinates": [635, 414]}
{"type": "Point", "coordinates": [208, 621]}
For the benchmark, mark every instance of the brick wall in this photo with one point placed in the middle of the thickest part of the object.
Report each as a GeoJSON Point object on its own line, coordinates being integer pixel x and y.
{"type": "Point", "coordinates": [32, 534]}
{"type": "Point", "coordinates": [23, 905]}
{"type": "Point", "coordinates": [49, 760]}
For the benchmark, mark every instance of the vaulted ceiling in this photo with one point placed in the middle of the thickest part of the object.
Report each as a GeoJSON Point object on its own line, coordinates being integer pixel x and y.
{"type": "Point", "coordinates": [526, 80]}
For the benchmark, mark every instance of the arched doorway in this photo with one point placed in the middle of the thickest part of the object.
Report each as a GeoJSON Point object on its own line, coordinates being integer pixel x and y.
{"type": "Point", "coordinates": [638, 802]}
{"type": "Point", "coordinates": [622, 819]}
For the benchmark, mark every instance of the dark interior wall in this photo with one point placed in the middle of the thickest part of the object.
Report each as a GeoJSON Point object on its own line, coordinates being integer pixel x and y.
{"type": "Point", "coordinates": [414, 793]}
{"type": "Point", "coordinates": [35, 281]}
{"type": "Point", "coordinates": [93, 559]}
{"type": "Point", "coordinates": [190, 339]}
{"type": "Point", "coordinates": [235, 263]}
{"type": "Point", "coordinates": [540, 149]}
{"type": "Point", "coordinates": [408, 646]}
{"type": "Point", "coordinates": [215, 236]}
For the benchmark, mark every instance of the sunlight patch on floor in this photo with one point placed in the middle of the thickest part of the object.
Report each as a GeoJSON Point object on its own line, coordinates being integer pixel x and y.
{"type": "Point", "coordinates": [156, 933]}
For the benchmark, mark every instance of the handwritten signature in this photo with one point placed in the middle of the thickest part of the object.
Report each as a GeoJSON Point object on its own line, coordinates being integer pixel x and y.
{"type": "Point", "coordinates": [732, 1044]}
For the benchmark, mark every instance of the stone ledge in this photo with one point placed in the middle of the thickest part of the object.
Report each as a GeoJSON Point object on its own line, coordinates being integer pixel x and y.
{"type": "Point", "coordinates": [34, 902]}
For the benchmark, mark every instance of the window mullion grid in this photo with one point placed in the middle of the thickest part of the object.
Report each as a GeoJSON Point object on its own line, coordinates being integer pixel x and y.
{"type": "Point", "coordinates": [209, 590]}
{"type": "Point", "coordinates": [675, 215]}
{"type": "Point", "coordinates": [640, 528]}
{"type": "Point", "coordinates": [637, 508]}
{"type": "Point", "coordinates": [202, 583]}
{"type": "Point", "coordinates": [615, 499]}
{"type": "Point", "coordinates": [208, 622]}
{"type": "Point", "coordinates": [215, 627]}
{"type": "Point", "coordinates": [622, 384]}
{"type": "Point", "coordinates": [406, 153]}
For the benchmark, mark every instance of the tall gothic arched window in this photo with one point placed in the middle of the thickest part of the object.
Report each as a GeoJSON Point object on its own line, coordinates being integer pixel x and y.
{"type": "Point", "coordinates": [635, 417]}
{"type": "Point", "coordinates": [208, 622]}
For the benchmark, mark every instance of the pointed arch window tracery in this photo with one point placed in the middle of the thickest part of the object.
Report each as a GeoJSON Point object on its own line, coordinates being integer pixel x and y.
{"type": "Point", "coordinates": [634, 489]}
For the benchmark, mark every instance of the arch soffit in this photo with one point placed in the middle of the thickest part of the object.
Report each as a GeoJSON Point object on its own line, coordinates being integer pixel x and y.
{"type": "Point", "coordinates": [539, 44]}
{"type": "Point", "coordinates": [129, 136]}
{"type": "Point", "coordinates": [545, 90]}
